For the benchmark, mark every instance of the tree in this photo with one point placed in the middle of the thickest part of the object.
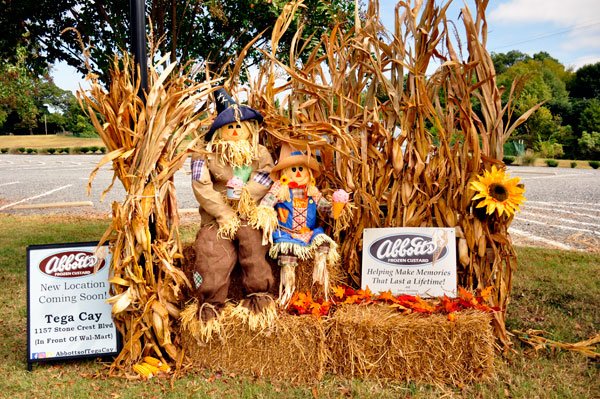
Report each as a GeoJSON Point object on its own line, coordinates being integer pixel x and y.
{"type": "Point", "coordinates": [589, 120]}
{"type": "Point", "coordinates": [503, 61]}
{"type": "Point", "coordinates": [545, 81]}
{"type": "Point", "coordinates": [18, 89]}
{"type": "Point", "coordinates": [212, 30]}
{"type": "Point", "coordinates": [586, 82]}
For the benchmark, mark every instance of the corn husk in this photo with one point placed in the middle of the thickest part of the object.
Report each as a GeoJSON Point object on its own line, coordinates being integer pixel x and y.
{"type": "Point", "coordinates": [144, 144]}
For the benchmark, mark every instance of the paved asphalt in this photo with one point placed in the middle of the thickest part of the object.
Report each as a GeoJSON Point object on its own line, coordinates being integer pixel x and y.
{"type": "Point", "coordinates": [562, 211]}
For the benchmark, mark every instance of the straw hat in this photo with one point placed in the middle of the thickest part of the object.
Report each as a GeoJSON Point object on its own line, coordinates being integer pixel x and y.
{"type": "Point", "coordinates": [230, 111]}
{"type": "Point", "coordinates": [289, 156]}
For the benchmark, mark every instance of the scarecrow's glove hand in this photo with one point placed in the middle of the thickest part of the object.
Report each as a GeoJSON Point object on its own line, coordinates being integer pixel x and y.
{"type": "Point", "coordinates": [264, 218]}
{"type": "Point", "coordinates": [229, 228]}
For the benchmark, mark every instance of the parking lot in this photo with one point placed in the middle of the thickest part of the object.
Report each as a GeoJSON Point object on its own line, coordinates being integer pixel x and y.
{"type": "Point", "coordinates": [562, 211]}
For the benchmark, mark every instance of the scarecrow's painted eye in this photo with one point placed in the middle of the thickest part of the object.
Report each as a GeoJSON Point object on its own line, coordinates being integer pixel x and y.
{"type": "Point", "coordinates": [300, 168]}
{"type": "Point", "coordinates": [294, 169]}
{"type": "Point", "coordinates": [238, 126]}
{"type": "Point", "coordinates": [230, 127]}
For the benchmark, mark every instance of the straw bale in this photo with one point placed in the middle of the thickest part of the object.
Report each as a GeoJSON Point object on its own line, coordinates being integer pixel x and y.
{"type": "Point", "coordinates": [291, 349]}
{"type": "Point", "coordinates": [378, 342]}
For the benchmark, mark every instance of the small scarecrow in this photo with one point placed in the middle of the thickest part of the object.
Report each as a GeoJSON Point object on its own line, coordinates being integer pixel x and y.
{"type": "Point", "coordinates": [228, 179]}
{"type": "Point", "coordinates": [288, 216]}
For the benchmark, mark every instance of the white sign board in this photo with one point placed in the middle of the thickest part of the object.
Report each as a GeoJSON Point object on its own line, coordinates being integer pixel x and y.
{"type": "Point", "coordinates": [410, 260]}
{"type": "Point", "coordinates": [68, 316]}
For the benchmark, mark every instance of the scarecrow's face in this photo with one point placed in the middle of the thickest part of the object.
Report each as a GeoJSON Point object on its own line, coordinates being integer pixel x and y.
{"type": "Point", "coordinates": [235, 131]}
{"type": "Point", "coordinates": [299, 174]}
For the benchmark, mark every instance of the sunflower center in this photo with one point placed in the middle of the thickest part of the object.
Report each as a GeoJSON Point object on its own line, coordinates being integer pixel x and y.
{"type": "Point", "coordinates": [498, 192]}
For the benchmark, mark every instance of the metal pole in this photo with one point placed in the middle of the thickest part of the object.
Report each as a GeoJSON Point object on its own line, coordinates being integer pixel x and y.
{"type": "Point", "coordinates": [138, 43]}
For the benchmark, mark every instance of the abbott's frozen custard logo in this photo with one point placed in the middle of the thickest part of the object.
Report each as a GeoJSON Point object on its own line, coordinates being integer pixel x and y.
{"type": "Point", "coordinates": [71, 264]}
{"type": "Point", "coordinates": [406, 250]}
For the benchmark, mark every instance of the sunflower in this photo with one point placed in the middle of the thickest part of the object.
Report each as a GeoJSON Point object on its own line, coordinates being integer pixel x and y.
{"type": "Point", "coordinates": [498, 192]}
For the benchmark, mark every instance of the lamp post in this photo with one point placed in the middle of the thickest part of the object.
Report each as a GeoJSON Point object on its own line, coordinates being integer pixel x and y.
{"type": "Point", "coordinates": [138, 43]}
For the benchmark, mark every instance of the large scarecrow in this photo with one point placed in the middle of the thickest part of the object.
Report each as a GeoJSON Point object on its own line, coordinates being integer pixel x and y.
{"type": "Point", "coordinates": [228, 179]}
{"type": "Point", "coordinates": [288, 215]}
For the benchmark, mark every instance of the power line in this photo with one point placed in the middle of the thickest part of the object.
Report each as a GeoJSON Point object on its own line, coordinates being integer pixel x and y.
{"type": "Point", "coordinates": [543, 36]}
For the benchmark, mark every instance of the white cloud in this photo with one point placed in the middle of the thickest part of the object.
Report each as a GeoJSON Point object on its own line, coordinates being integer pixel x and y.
{"type": "Point", "coordinates": [559, 12]}
{"type": "Point", "coordinates": [587, 39]}
{"type": "Point", "coordinates": [586, 60]}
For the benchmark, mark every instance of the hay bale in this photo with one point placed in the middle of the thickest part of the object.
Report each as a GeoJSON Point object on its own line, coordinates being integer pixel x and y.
{"type": "Point", "coordinates": [292, 349]}
{"type": "Point", "coordinates": [377, 341]}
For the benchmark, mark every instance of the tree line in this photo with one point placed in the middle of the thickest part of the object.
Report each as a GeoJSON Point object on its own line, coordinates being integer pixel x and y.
{"type": "Point", "coordinates": [568, 123]}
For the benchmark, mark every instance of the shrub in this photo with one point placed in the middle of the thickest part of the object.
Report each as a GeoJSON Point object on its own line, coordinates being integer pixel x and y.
{"type": "Point", "coordinates": [573, 164]}
{"type": "Point", "coordinates": [93, 149]}
{"type": "Point", "coordinates": [84, 150]}
{"type": "Point", "coordinates": [4, 150]}
{"type": "Point", "coordinates": [508, 159]}
{"type": "Point", "coordinates": [528, 158]}
{"type": "Point", "coordinates": [75, 150]}
{"type": "Point", "coordinates": [552, 163]}
{"type": "Point", "coordinates": [51, 150]}
{"type": "Point", "coordinates": [65, 150]}
{"type": "Point", "coordinates": [29, 150]}
{"type": "Point", "coordinates": [594, 164]}
{"type": "Point", "coordinates": [21, 150]}
{"type": "Point", "coordinates": [103, 150]}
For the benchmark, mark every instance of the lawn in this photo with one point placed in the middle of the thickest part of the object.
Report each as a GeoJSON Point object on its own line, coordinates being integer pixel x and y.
{"type": "Point", "coordinates": [48, 141]}
{"type": "Point", "coordinates": [555, 291]}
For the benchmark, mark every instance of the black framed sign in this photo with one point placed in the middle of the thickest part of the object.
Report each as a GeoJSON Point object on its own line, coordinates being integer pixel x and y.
{"type": "Point", "coordinates": [67, 313]}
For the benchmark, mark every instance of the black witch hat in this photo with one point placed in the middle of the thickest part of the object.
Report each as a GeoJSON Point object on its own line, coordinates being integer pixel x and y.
{"type": "Point", "coordinates": [230, 111]}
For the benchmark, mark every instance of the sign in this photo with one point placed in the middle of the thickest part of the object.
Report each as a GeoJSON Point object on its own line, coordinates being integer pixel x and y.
{"type": "Point", "coordinates": [410, 260]}
{"type": "Point", "coordinates": [67, 313]}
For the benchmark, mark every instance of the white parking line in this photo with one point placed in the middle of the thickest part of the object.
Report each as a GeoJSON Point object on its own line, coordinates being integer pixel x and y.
{"type": "Point", "coordinates": [564, 203]}
{"type": "Point", "coordinates": [533, 237]}
{"type": "Point", "coordinates": [557, 219]}
{"type": "Point", "coordinates": [35, 196]}
{"type": "Point", "coordinates": [556, 176]}
{"type": "Point", "coordinates": [557, 226]}
{"type": "Point", "coordinates": [8, 184]}
{"type": "Point", "coordinates": [527, 207]}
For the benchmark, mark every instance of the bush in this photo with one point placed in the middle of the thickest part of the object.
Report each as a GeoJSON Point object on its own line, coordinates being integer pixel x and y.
{"type": "Point", "coordinates": [30, 150]}
{"type": "Point", "coordinates": [594, 164]}
{"type": "Point", "coordinates": [4, 150]}
{"type": "Point", "coordinates": [75, 150]}
{"type": "Point", "coordinates": [573, 164]}
{"type": "Point", "coordinates": [528, 158]}
{"type": "Point", "coordinates": [21, 150]}
{"type": "Point", "coordinates": [103, 150]}
{"type": "Point", "coordinates": [93, 149]}
{"type": "Point", "coordinates": [51, 150]}
{"type": "Point", "coordinates": [508, 159]}
{"type": "Point", "coordinates": [552, 163]}
{"type": "Point", "coordinates": [65, 150]}
{"type": "Point", "coordinates": [84, 150]}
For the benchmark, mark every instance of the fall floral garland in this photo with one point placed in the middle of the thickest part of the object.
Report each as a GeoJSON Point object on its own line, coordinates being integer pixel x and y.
{"type": "Point", "coordinates": [303, 303]}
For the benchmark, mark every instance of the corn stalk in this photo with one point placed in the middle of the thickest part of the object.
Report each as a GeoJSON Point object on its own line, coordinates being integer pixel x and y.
{"type": "Point", "coordinates": [145, 147]}
{"type": "Point", "coordinates": [406, 144]}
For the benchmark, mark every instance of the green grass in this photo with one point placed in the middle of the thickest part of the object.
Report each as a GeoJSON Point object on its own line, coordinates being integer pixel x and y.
{"type": "Point", "coordinates": [555, 291]}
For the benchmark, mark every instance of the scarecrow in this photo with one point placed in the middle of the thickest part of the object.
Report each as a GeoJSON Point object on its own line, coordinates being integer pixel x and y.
{"type": "Point", "coordinates": [288, 216]}
{"type": "Point", "coordinates": [228, 179]}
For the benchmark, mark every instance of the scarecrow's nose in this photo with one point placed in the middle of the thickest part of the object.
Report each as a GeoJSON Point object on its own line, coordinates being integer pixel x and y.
{"type": "Point", "coordinates": [234, 133]}
{"type": "Point", "coordinates": [298, 174]}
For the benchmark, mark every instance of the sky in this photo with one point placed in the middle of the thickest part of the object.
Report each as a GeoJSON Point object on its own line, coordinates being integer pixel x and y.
{"type": "Point", "coordinates": [569, 30]}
